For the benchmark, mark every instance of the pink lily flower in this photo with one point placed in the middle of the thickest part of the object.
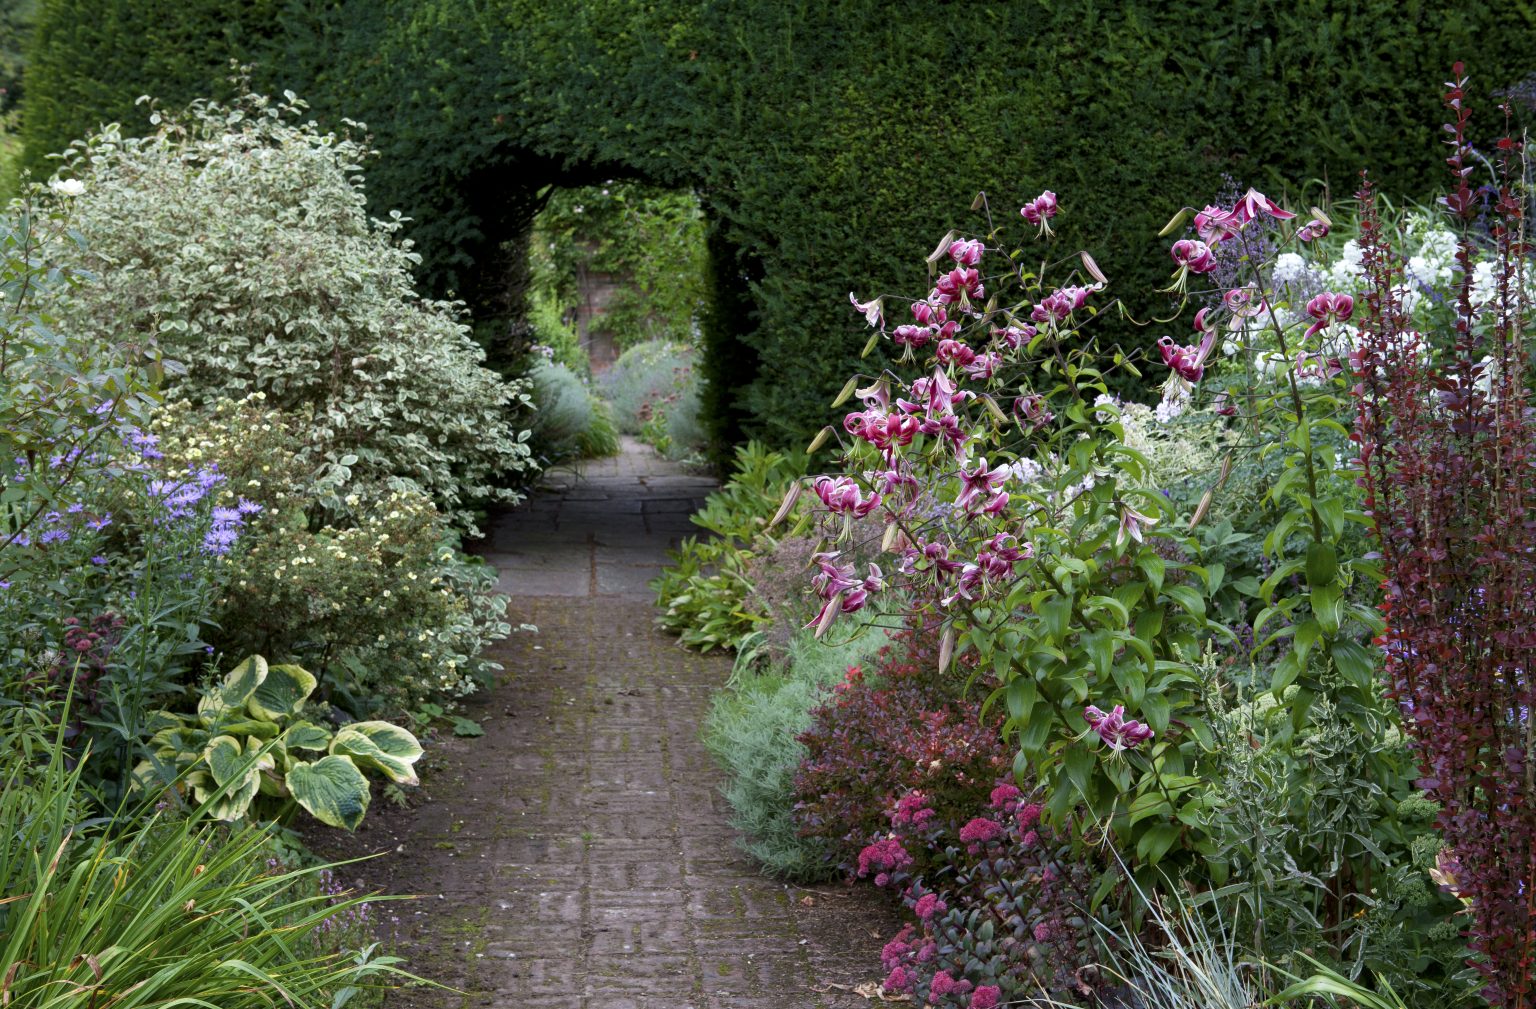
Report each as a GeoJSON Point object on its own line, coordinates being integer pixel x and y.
{"type": "Point", "coordinates": [1031, 412]}
{"type": "Point", "coordinates": [960, 282]}
{"type": "Point", "coordinates": [1040, 210]}
{"type": "Point", "coordinates": [1328, 308]}
{"type": "Point", "coordinates": [842, 495]}
{"type": "Point", "coordinates": [982, 367]}
{"type": "Point", "coordinates": [1132, 525]}
{"type": "Point", "coordinates": [1013, 337]}
{"type": "Point", "coordinates": [915, 337]}
{"type": "Point", "coordinates": [953, 351]}
{"type": "Point", "coordinates": [1196, 257]}
{"type": "Point", "coordinates": [927, 314]}
{"type": "Point", "coordinates": [1244, 303]}
{"type": "Point", "coordinates": [980, 482]}
{"type": "Point", "coordinates": [967, 252]}
{"type": "Point", "coordinates": [1312, 231]}
{"type": "Point", "coordinates": [1059, 304]}
{"type": "Point", "coordinates": [871, 310]}
{"type": "Point", "coordinates": [1215, 225]}
{"type": "Point", "coordinates": [1189, 362]}
{"type": "Point", "coordinates": [1114, 728]}
{"type": "Point", "coordinates": [1253, 203]}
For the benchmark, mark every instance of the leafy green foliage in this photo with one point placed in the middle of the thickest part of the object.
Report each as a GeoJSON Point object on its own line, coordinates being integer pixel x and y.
{"type": "Point", "coordinates": [144, 913]}
{"type": "Point", "coordinates": [249, 741]}
{"type": "Point", "coordinates": [651, 240]}
{"type": "Point", "coordinates": [236, 240]}
{"type": "Point", "coordinates": [704, 592]}
{"type": "Point", "coordinates": [818, 136]}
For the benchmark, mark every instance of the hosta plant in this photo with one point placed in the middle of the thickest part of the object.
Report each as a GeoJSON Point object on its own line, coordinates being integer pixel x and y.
{"type": "Point", "coordinates": [257, 711]}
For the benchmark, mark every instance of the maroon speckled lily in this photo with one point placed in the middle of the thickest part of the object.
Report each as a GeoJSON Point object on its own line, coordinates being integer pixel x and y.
{"type": "Point", "coordinates": [981, 488]}
{"type": "Point", "coordinates": [1114, 728]}
{"type": "Point", "coordinates": [1328, 308]}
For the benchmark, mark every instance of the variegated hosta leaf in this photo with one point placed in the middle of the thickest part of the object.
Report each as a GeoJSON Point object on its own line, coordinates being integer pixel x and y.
{"type": "Point", "coordinates": [307, 736]}
{"type": "Point", "coordinates": [281, 693]}
{"type": "Point", "coordinates": [332, 789]}
{"type": "Point", "coordinates": [380, 745]}
{"type": "Point", "coordinates": [237, 771]}
{"type": "Point", "coordinates": [258, 728]}
{"type": "Point", "coordinates": [238, 686]}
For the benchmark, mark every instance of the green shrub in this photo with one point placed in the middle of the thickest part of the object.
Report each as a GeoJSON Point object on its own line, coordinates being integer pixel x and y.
{"type": "Point", "coordinates": [385, 610]}
{"type": "Point", "coordinates": [816, 135]}
{"type": "Point", "coordinates": [236, 240]}
{"type": "Point", "coordinates": [751, 730]}
{"type": "Point", "coordinates": [569, 422]}
{"type": "Point", "coordinates": [705, 593]}
{"type": "Point", "coordinates": [641, 377]}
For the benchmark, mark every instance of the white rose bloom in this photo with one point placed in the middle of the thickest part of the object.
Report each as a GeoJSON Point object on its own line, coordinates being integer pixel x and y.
{"type": "Point", "coordinates": [67, 187]}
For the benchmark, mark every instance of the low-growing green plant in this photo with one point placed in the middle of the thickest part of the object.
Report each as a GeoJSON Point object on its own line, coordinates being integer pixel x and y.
{"type": "Point", "coordinates": [249, 743]}
{"type": "Point", "coordinates": [705, 593]}
{"type": "Point", "coordinates": [569, 422]}
{"type": "Point", "coordinates": [752, 731]}
{"type": "Point", "coordinates": [174, 909]}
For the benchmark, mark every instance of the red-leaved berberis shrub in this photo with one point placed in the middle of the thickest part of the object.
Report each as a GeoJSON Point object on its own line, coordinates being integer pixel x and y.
{"type": "Point", "coordinates": [1447, 440]}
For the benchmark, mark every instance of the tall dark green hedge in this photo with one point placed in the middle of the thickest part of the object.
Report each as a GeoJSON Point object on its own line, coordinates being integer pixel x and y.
{"type": "Point", "coordinates": [832, 142]}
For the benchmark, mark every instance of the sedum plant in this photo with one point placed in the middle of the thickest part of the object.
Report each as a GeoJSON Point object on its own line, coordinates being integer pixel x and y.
{"type": "Point", "coordinates": [249, 741]}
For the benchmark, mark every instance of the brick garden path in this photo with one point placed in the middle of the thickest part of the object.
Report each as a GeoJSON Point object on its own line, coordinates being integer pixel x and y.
{"type": "Point", "coordinates": [578, 855]}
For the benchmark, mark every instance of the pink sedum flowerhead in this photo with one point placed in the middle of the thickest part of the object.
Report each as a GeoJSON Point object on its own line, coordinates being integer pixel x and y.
{"type": "Point", "coordinates": [1114, 728]}
{"type": "Point", "coordinates": [985, 997]}
{"type": "Point", "coordinates": [929, 905]}
{"type": "Point", "coordinates": [980, 830]}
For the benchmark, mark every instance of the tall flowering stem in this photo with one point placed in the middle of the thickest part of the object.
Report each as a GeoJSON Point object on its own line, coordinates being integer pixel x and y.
{"type": "Point", "coordinates": [1447, 442]}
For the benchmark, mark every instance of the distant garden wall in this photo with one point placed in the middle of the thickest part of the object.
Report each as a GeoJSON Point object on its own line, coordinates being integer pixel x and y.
{"type": "Point", "coordinates": [832, 143]}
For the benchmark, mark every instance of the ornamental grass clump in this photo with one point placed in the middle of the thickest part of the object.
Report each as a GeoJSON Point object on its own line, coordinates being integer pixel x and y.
{"type": "Point", "coordinates": [1447, 450]}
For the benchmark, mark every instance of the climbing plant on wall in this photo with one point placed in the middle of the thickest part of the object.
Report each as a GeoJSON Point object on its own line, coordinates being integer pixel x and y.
{"type": "Point", "coordinates": [652, 239]}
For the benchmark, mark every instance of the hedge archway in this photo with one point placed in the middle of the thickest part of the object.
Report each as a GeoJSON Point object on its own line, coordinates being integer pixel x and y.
{"type": "Point", "coordinates": [830, 142]}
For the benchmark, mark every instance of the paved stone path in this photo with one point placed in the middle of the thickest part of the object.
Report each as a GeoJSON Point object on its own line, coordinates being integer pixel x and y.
{"type": "Point", "coordinates": [578, 853]}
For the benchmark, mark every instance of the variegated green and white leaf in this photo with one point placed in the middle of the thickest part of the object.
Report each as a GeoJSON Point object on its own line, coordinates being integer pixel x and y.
{"type": "Point", "coordinates": [332, 789]}
{"type": "Point", "coordinates": [281, 693]}
{"type": "Point", "coordinates": [307, 736]}
{"type": "Point", "coordinates": [238, 686]}
{"type": "Point", "coordinates": [381, 745]}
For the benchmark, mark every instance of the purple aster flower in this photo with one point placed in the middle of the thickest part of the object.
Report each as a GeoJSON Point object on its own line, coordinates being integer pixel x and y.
{"type": "Point", "coordinates": [247, 507]}
{"type": "Point", "coordinates": [219, 539]}
{"type": "Point", "coordinates": [54, 536]}
{"type": "Point", "coordinates": [98, 560]}
{"type": "Point", "coordinates": [76, 508]}
{"type": "Point", "coordinates": [101, 523]}
{"type": "Point", "coordinates": [227, 517]}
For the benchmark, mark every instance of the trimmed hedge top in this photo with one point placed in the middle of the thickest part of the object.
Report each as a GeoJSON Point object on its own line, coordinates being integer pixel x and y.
{"type": "Point", "coordinates": [832, 143]}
